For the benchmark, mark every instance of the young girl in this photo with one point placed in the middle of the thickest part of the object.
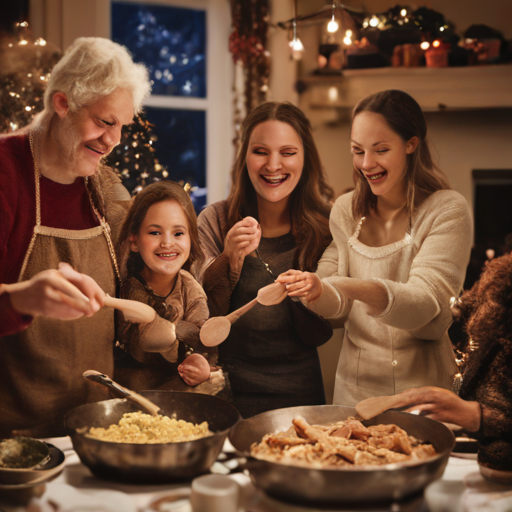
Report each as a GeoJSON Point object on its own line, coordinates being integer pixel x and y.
{"type": "Point", "coordinates": [158, 242]}
{"type": "Point", "coordinates": [401, 244]}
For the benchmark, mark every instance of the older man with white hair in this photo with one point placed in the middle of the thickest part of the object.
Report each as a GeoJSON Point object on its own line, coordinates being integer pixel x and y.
{"type": "Point", "coordinates": [61, 207]}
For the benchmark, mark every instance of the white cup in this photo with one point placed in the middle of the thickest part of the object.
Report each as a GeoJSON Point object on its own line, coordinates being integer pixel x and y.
{"type": "Point", "coordinates": [214, 493]}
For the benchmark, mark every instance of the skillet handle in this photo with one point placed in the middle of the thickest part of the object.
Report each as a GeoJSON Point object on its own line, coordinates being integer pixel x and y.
{"type": "Point", "coordinates": [120, 391]}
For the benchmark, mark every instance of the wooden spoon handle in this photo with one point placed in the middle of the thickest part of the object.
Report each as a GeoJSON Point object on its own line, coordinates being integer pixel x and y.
{"type": "Point", "coordinates": [235, 315]}
{"type": "Point", "coordinates": [133, 310]}
{"type": "Point", "coordinates": [121, 391]}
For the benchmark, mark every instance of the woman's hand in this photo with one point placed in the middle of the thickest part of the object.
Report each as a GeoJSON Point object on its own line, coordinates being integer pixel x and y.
{"type": "Point", "coordinates": [242, 239]}
{"type": "Point", "coordinates": [305, 285]}
{"type": "Point", "coordinates": [64, 294]}
{"type": "Point", "coordinates": [194, 369]}
{"type": "Point", "coordinates": [443, 405]}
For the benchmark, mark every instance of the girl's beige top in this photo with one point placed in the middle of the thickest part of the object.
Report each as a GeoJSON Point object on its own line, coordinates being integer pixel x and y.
{"type": "Point", "coordinates": [407, 345]}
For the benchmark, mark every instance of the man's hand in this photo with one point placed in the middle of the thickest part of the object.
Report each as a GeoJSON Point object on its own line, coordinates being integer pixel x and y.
{"type": "Point", "coordinates": [64, 294]}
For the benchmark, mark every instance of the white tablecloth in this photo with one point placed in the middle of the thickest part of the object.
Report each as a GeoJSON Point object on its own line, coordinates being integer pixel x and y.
{"type": "Point", "coordinates": [462, 489]}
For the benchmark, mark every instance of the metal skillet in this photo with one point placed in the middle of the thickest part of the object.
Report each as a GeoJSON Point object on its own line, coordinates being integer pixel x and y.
{"type": "Point", "coordinates": [326, 487]}
{"type": "Point", "coordinates": [152, 463]}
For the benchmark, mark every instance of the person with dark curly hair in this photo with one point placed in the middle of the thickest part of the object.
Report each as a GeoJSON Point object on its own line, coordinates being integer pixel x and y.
{"type": "Point", "coordinates": [484, 406]}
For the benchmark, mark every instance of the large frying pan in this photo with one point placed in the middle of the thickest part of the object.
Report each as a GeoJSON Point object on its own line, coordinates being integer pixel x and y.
{"type": "Point", "coordinates": [152, 463]}
{"type": "Point", "coordinates": [343, 485]}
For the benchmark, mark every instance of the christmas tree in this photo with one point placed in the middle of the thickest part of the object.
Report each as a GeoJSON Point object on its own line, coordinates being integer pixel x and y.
{"type": "Point", "coordinates": [25, 70]}
{"type": "Point", "coordinates": [133, 159]}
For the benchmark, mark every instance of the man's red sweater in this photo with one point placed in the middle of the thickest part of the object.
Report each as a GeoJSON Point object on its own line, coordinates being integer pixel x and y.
{"type": "Point", "coordinates": [62, 206]}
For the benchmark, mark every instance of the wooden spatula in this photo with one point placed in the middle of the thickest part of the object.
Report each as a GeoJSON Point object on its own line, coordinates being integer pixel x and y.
{"type": "Point", "coordinates": [121, 391]}
{"type": "Point", "coordinates": [374, 406]}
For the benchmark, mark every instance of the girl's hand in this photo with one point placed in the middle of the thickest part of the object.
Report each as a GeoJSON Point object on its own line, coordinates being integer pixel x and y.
{"type": "Point", "coordinates": [194, 369]}
{"type": "Point", "coordinates": [305, 285]}
{"type": "Point", "coordinates": [443, 405]}
{"type": "Point", "coordinates": [242, 239]}
{"type": "Point", "coordinates": [64, 294]}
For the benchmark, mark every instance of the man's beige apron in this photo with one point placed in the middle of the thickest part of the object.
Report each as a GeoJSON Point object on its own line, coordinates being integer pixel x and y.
{"type": "Point", "coordinates": [41, 367]}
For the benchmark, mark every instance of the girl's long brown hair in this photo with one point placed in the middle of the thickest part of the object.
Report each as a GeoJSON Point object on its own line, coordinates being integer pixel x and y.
{"type": "Point", "coordinates": [132, 262]}
{"type": "Point", "coordinates": [310, 200]}
{"type": "Point", "coordinates": [405, 117]}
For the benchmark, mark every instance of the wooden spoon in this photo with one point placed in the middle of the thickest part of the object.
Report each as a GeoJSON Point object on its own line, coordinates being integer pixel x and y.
{"type": "Point", "coordinates": [120, 391]}
{"type": "Point", "coordinates": [133, 310]}
{"type": "Point", "coordinates": [272, 294]}
{"type": "Point", "coordinates": [215, 330]}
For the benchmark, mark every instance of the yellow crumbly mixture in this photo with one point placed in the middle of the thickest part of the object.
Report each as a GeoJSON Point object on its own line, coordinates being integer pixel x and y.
{"type": "Point", "coordinates": [140, 428]}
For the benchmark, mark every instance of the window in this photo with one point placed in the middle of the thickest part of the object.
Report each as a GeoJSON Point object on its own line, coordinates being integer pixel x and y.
{"type": "Point", "coordinates": [184, 44]}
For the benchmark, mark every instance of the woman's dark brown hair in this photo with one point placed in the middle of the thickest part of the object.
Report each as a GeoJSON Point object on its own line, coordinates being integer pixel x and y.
{"type": "Point", "coordinates": [132, 262]}
{"type": "Point", "coordinates": [309, 202]}
{"type": "Point", "coordinates": [405, 117]}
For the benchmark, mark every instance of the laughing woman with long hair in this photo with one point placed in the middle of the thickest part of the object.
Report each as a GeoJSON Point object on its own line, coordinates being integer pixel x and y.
{"type": "Point", "coordinates": [401, 244]}
{"type": "Point", "coordinates": [275, 218]}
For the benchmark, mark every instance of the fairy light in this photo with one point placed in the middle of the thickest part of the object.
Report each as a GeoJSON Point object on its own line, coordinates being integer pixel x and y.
{"type": "Point", "coordinates": [436, 43]}
{"type": "Point", "coordinates": [332, 94]}
{"type": "Point", "coordinates": [403, 12]}
{"type": "Point", "coordinates": [296, 44]}
{"type": "Point", "coordinates": [374, 21]}
{"type": "Point", "coordinates": [425, 45]}
{"type": "Point", "coordinates": [348, 37]}
{"type": "Point", "coordinates": [332, 26]}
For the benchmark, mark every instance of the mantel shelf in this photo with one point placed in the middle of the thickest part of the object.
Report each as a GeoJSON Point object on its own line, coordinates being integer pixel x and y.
{"type": "Point", "coordinates": [434, 88]}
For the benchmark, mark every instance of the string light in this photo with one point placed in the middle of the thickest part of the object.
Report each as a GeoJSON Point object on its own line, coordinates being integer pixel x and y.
{"type": "Point", "coordinates": [436, 43]}
{"type": "Point", "coordinates": [403, 12]}
{"type": "Point", "coordinates": [374, 21]}
{"type": "Point", "coordinates": [296, 44]}
{"type": "Point", "coordinates": [425, 45]}
{"type": "Point", "coordinates": [332, 26]}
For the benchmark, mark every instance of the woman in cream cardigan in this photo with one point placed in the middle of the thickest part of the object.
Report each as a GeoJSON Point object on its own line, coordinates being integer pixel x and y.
{"type": "Point", "coordinates": [401, 244]}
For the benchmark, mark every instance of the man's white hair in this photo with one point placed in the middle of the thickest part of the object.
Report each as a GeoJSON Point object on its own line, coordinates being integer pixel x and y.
{"type": "Point", "coordinates": [92, 68]}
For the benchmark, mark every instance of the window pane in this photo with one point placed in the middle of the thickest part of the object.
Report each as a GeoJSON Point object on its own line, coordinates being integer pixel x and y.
{"type": "Point", "coordinates": [171, 41]}
{"type": "Point", "coordinates": [181, 147]}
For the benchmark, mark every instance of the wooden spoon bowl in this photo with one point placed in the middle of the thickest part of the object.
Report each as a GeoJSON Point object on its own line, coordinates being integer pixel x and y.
{"type": "Point", "coordinates": [214, 331]}
{"type": "Point", "coordinates": [272, 294]}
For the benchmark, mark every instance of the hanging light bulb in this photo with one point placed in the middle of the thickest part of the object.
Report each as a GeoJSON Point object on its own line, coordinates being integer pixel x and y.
{"type": "Point", "coordinates": [332, 26]}
{"type": "Point", "coordinates": [296, 44]}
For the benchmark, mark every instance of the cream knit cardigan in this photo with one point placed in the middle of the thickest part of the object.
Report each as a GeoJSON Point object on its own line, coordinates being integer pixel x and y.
{"type": "Point", "coordinates": [407, 345]}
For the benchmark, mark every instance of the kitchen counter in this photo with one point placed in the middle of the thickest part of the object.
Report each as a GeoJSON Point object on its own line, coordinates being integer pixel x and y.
{"type": "Point", "coordinates": [462, 488]}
